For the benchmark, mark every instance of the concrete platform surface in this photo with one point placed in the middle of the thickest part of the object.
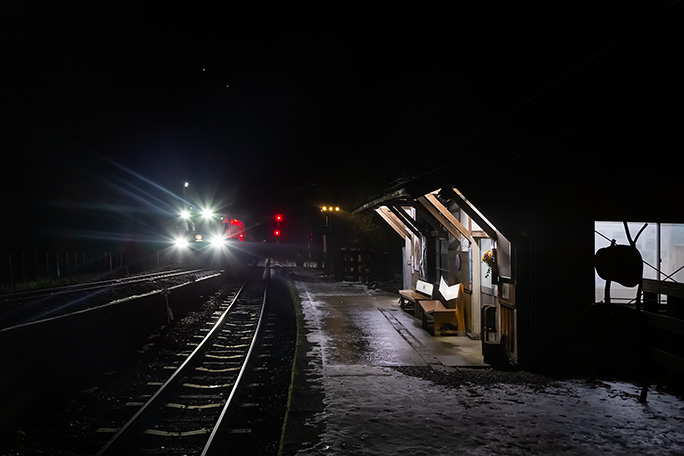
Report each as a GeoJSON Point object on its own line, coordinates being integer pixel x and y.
{"type": "Point", "coordinates": [369, 380]}
{"type": "Point", "coordinates": [354, 325]}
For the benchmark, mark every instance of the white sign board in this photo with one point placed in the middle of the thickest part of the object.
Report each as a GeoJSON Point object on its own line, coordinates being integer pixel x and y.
{"type": "Point", "coordinates": [448, 292]}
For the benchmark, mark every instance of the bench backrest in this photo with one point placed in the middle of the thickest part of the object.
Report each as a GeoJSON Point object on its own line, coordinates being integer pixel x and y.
{"type": "Point", "coordinates": [424, 287]}
{"type": "Point", "coordinates": [450, 292]}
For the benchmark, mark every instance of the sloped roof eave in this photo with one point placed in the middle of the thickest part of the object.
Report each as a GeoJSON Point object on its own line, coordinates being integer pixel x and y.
{"type": "Point", "coordinates": [381, 200]}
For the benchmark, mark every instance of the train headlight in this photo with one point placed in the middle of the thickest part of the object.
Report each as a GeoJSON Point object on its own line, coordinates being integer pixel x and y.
{"type": "Point", "coordinates": [180, 243]}
{"type": "Point", "coordinates": [207, 214]}
{"type": "Point", "coordinates": [217, 242]}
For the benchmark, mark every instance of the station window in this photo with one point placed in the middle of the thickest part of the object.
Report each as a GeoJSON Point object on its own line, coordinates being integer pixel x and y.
{"type": "Point", "coordinates": [661, 246]}
{"type": "Point", "coordinates": [672, 252]}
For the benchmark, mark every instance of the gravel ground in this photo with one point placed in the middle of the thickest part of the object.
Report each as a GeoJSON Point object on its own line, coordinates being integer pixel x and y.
{"type": "Point", "coordinates": [463, 377]}
{"type": "Point", "coordinates": [72, 430]}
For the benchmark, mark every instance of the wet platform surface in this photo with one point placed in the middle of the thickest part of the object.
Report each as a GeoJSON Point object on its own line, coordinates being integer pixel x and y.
{"type": "Point", "coordinates": [357, 326]}
{"type": "Point", "coordinates": [370, 380]}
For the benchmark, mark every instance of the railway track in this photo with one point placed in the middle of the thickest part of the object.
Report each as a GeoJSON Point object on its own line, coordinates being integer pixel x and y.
{"type": "Point", "coordinates": [94, 285]}
{"type": "Point", "coordinates": [185, 411]}
{"type": "Point", "coordinates": [31, 306]}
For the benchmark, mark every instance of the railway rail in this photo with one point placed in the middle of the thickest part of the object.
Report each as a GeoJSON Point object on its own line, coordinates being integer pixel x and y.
{"type": "Point", "coordinates": [185, 413]}
{"type": "Point", "coordinates": [21, 296]}
{"type": "Point", "coordinates": [26, 307]}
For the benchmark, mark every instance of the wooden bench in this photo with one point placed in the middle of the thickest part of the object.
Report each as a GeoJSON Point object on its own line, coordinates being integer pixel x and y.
{"type": "Point", "coordinates": [408, 299]}
{"type": "Point", "coordinates": [441, 319]}
{"type": "Point", "coordinates": [445, 320]}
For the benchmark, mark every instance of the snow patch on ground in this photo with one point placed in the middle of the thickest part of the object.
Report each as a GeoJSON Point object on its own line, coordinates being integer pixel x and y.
{"type": "Point", "coordinates": [379, 411]}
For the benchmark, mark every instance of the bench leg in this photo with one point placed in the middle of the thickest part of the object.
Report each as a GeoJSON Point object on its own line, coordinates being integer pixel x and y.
{"type": "Point", "coordinates": [426, 325]}
{"type": "Point", "coordinates": [460, 320]}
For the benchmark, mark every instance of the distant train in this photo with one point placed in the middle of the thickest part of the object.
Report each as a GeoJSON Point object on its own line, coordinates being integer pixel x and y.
{"type": "Point", "coordinates": [199, 230]}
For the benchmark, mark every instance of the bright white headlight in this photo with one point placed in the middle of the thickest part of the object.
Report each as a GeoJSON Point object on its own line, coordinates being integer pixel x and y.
{"type": "Point", "coordinates": [180, 243]}
{"type": "Point", "coordinates": [217, 242]}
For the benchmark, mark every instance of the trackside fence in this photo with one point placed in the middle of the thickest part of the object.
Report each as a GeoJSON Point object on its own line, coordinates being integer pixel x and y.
{"type": "Point", "coordinates": [20, 269]}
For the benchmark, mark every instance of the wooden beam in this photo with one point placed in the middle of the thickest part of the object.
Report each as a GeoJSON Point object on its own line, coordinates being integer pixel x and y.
{"type": "Point", "coordinates": [393, 221]}
{"type": "Point", "coordinates": [449, 192]}
{"type": "Point", "coordinates": [427, 216]}
{"type": "Point", "coordinates": [666, 288]}
{"type": "Point", "coordinates": [446, 218]}
{"type": "Point", "coordinates": [406, 219]}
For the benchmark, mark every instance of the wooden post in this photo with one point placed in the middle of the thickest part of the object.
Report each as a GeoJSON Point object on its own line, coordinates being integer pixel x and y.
{"type": "Point", "coordinates": [476, 296]}
{"type": "Point", "coordinates": [169, 312]}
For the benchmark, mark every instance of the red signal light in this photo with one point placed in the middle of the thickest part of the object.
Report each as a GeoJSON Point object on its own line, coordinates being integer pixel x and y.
{"type": "Point", "coordinates": [277, 233]}
{"type": "Point", "coordinates": [279, 218]}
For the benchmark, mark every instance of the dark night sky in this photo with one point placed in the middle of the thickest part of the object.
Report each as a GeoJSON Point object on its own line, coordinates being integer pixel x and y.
{"type": "Point", "coordinates": [108, 109]}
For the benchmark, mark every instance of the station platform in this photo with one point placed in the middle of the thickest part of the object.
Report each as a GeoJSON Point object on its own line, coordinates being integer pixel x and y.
{"type": "Point", "coordinates": [354, 325]}
{"type": "Point", "coordinates": [370, 380]}
{"type": "Point", "coordinates": [351, 342]}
